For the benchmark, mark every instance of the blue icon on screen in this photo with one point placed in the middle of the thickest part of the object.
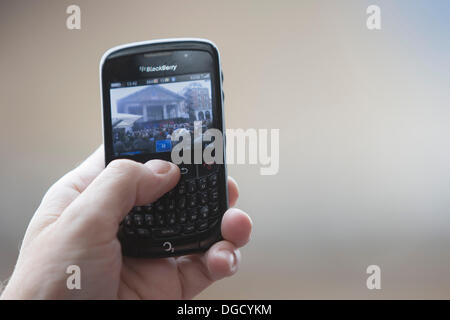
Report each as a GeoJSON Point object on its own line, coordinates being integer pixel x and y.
{"type": "Point", "coordinates": [163, 145]}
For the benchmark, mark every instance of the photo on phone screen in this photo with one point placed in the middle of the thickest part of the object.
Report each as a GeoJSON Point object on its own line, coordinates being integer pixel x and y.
{"type": "Point", "coordinates": [144, 117]}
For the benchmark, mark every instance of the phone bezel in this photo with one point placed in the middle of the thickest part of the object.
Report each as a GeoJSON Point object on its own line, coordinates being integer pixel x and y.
{"type": "Point", "coordinates": [137, 248]}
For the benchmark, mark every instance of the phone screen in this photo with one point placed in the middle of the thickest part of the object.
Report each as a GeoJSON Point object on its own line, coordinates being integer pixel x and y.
{"type": "Point", "coordinates": [146, 112]}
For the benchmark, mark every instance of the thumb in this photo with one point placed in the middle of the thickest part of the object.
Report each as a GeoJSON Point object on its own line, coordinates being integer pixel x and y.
{"type": "Point", "coordinates": [108, 199]}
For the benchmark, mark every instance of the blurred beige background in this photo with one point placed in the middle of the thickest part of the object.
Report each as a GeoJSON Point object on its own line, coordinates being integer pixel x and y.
{"type": "Point", "coordinates": [364, 131]}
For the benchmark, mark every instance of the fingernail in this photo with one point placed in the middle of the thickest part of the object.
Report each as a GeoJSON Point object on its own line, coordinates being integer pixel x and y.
{"type": "Point", "coordinates": [229, 256]}
{"type": "Point", "coordinates": [159, 166]}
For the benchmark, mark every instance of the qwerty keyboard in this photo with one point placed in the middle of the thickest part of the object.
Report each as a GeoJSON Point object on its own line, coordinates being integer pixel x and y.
{"type": "Point", "coordinates": [191, 208]}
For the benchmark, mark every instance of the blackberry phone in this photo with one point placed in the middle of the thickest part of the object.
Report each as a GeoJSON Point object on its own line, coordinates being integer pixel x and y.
{"type": "Point", "coordinates": [150, 91]}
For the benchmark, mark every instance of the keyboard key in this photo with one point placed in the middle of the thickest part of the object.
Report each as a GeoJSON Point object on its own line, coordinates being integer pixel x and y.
{"type": "Point", "coordinates": [166, 232]}
{"type": "Point", "coordinates": [181, 203]}
{"type": "Point", "coordinates": [205, 169]}
{"type": "Point", "coordinates": [191, 186]}
{"type": "Point", "coordinates": [137, 209]}
{"type": "Point", "coordinates": [159, 205]}
{"type": "Point", "coordinates": [213, 222]}
{"type": "Point", "coordinates": [202, 198]}
{"type": "Point", "coordinates": [202, 184]}
{"type": "Point", "coordinates": [204, 212]}
{"type": "Point", "coordinates": [193, 214]}
{"type": "Point", "coordinates": [138, 220]}
{"type": "Point", "coordinates": [171, 218]}
{"type": "Point", "coordinates": [181, 188]}
{"type": "Point", "coordinates": [160, 219]}
{"type": "Point", "coordinates": [127, 221]}
{"type": "Point", "coordinates": [212, 180]}
{"type": "Point", "coordinates": [143, 232]}
{"type": "Point", "coordinates": [202, 225]}
{"type": "Point", "coordinates": [129, 231]}
{"type": "Point", "coordinates": [187, 171]}
{"type": "Point", "coordinates": [148, 208]}
{"type": "Point", "coordinates": [182, 218]}
{"type": "Point", "coordinates": [149, 219]}
{"type": "Point", "coordinates": [214, 208]}
{"type": "Point", "coordinates": [192, 200]}
{"type": "Point", "coordinates": [189, 228]}
{"type": "Point", "coordinates": [213, 194]}
{"type": "Point", "coordinates": [170, 204]}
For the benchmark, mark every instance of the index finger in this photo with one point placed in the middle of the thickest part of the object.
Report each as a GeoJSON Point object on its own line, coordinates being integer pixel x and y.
{"type": "Point", "coordinates": [67, 188]}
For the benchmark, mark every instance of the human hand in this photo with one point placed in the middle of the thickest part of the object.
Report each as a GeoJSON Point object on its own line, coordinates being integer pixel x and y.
{"type": "Point", "coordinates": [77, 224]}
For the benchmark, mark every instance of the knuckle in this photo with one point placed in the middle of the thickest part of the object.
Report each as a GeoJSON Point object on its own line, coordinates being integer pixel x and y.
{"type": "Point", "coordinates": [124, 166]}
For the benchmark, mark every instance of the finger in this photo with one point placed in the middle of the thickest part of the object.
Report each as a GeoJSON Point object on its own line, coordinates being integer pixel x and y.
{"type": "Point", "coordinates": [221, 260]}
{"type": "Point", "coordinates": [197, 272]}
{"type": "Point", "coordinates": [236, 227]}
{"type": "Point", "coordinates": [122, 185]}
{"type": "Point", "coordinates": [63, 192]}
{"type": "Point", "coordinates": [66, 189]}
{"type": "Point", "coordinates": [233, 192]}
